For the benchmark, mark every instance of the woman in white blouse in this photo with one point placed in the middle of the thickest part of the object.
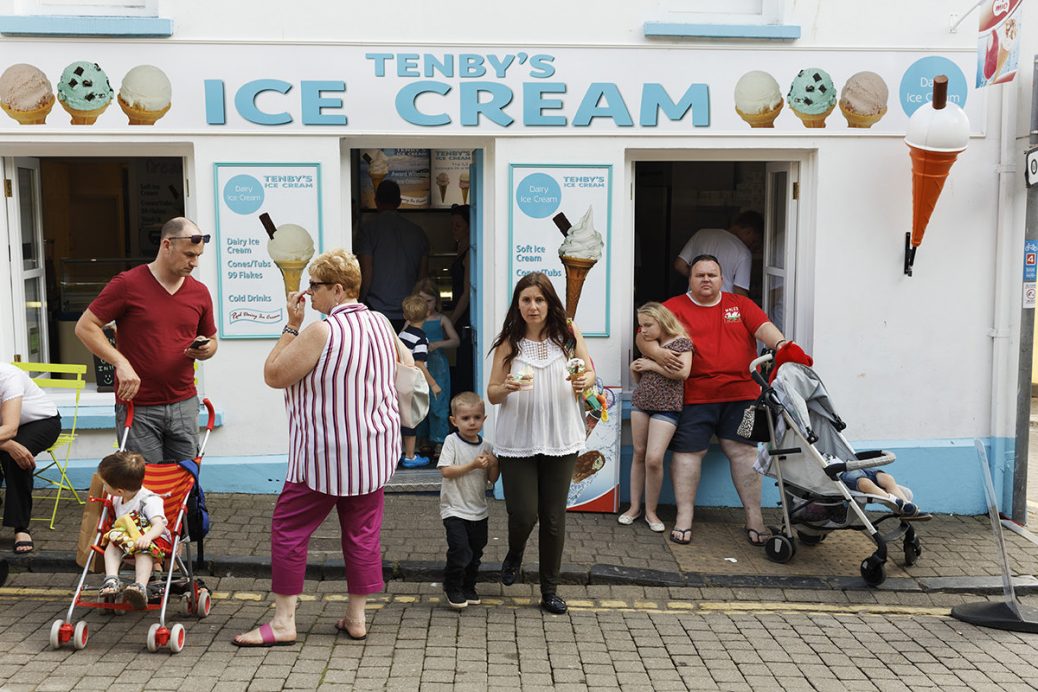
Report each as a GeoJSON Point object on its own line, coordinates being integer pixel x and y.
{"type": "Point", "coordinates": [539, 427]}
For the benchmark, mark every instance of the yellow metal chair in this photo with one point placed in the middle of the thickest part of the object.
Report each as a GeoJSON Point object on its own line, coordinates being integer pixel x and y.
{"type": "Point", "coordinates": [47, 376]}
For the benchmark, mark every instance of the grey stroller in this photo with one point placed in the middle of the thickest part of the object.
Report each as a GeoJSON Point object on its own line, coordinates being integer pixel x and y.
{"type": "Point", "coordinates": [806, 454]}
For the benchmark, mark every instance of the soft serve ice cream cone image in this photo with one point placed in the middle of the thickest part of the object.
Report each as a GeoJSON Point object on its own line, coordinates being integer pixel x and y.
{"type": "Point", "coordinates": [378, 169]}
{"type": "Point", "coordinates": [581, 249]}
{"type": "Point", "coordinates": [937, 133]}
{"type": "Point", "coordinates": [463, 183]}
{"type": "Point", "coordinates": [291, 247]}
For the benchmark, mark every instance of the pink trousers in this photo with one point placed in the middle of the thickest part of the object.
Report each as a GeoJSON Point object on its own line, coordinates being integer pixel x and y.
{"type": "Point", "coordinates": [298, 513]}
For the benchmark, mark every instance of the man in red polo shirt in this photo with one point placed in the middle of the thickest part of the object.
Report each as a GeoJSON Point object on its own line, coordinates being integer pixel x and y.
{"type": "Point", "coordinates": [724, 329]}
{"type": "Point", "coordinates": [160, 313]}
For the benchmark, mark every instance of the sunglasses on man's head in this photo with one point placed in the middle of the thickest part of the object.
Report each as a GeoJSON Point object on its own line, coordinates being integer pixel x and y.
{"type": "Point", "coordinates": [195, 239]}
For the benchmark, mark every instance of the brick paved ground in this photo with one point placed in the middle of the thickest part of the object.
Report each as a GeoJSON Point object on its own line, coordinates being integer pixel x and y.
{"type": "Point", "coordinates": [412, 532]}
{"type": "Point", "coordinates": [632, 638]}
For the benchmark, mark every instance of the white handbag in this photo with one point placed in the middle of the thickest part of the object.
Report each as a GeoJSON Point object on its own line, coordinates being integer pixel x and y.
{"type": "Point", "coordinates": [412, 390]}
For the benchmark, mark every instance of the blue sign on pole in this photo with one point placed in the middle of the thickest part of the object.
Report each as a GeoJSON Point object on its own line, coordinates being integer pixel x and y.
{"type": "Point", "coordinates": [1031, 260]}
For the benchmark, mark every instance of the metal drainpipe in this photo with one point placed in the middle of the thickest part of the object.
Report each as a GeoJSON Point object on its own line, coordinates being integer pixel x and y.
{"type": "Point", "coordinates": [1023, 383]}
{"type": "Point", "coordinates": [1006, 285]}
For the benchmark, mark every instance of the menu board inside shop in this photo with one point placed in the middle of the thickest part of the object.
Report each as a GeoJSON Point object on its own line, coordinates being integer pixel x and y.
{"type": "Point", "coordinates": [268, 228]}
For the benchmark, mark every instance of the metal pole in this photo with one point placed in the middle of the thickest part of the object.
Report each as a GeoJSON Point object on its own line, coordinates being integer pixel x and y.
{"type": "Point", "coordinates": [1023, 382]}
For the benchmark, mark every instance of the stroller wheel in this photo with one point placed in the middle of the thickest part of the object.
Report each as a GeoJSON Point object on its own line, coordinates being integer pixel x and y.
{"type": "Point", "coordinates": [912, 551]}
{"type": "Point", "coordinates": [55, 634]}
{"type": "Point", "coordinates": [80, 635]}
{"type": "Point", "coordinates": [205, 603]}
{"type": "Point", "coordinates": [153, 637]}
{"type": "Point", "coordinates": [779, 549]}
{"type": "Point", "coordinates": [872, 571]}
{"type": "Point", "coordinates": [177, 638]}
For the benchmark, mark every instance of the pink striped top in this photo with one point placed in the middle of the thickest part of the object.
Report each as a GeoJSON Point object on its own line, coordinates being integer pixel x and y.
{"type": "Point", "coordinates": [343, 417]}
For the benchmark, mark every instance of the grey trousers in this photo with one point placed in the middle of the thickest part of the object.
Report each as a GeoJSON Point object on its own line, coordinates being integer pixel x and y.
{"type": "Point", "coordinates": [167, 432]}
{"type": "Point", "coordinates": [536, 489]}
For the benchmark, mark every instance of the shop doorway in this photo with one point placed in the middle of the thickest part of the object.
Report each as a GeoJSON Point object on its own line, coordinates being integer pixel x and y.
{"type": "Point", "coordinates": [674, 199]}
{"type": "Point", "coordinates": [433, 183]}
{"type": "Point", "coordinates": [73, 224]}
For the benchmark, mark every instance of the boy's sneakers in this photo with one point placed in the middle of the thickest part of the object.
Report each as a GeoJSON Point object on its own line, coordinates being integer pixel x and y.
{"type": "Point", "coordinates": [906, 509]}
{"type": "Point", "coordinates": [471, 597]}
{"type": "Point", "coordinates": [417, 461]}
{"type": "Point", "coordinates": [456, 599]}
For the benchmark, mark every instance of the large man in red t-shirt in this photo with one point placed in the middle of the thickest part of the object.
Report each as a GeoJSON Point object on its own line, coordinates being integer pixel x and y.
{"type": "Point", "coordinates": [160, 312]}
{"type": "Point", "coordinates": [724, 328]}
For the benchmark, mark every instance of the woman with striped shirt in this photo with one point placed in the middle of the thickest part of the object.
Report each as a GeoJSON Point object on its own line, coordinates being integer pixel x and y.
{"type": "Point", "coordinates": [344, 441]}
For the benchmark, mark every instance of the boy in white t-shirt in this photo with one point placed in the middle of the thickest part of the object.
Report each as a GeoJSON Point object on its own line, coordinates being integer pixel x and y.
{"type": "Point", "coordinates": [139, 528]}
{"type": "Point", "coordinates": [466, 464]}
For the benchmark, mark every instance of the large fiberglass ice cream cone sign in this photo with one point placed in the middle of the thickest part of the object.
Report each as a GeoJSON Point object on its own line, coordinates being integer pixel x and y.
{"type": "Point", "coordinates": [937, 133]}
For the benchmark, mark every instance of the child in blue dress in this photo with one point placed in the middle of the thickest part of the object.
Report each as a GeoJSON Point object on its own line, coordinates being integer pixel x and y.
{"type": "Point", "coordinates": [442, 335]}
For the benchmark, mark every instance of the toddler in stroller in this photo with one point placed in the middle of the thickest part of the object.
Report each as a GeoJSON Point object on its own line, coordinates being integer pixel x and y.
{"type": "Point", "coordinates": [824, 484]}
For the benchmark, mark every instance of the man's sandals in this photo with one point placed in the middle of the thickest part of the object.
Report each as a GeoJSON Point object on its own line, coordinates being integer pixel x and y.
{"type": "Point", "coordinates": [681, 536]}
{"type": "Point", "coordinates": [22, 547]}
{"type": "Point", "coordinates": [756, 538]}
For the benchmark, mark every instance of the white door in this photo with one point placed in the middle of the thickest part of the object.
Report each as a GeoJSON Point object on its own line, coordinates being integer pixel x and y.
{"type": "Point", "coordinates": [28, 267]}
{"type": "Point", "coordinates": [780, 224]}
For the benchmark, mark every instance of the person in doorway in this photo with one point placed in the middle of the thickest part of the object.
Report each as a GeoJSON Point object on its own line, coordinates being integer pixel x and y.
{"type": "Point", "coordinates": [461, 290]}
{"type": "Point", "coordinates": [441, 335]}
{"type": "Point", "coordinates": [733, 248]}
{"type": "Point", "coordinates": [393, 254]}
{"type": "Point", "coordinates": [344, 441]}
{"type": "Point", "coordinates": [539, 427]}
{"type": "Point", "coordinates": [724, 328]}
{"type": "Point", "coordinates": [29, 424]}
{"type": "Point", "coordinates": [413, 337]}
{"type": "Point", "coordinates": [164, 323]}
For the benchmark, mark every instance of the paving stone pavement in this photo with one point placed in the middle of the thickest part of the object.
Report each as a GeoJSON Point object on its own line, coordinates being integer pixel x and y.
{"type": "Point", "coordinates": [626, 638]}
{"type": "Point", "coordinates": [598, 549]}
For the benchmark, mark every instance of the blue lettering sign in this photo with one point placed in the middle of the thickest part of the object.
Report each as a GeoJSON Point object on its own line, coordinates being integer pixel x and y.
{"type": "Point", "coordinates": [245, 101]}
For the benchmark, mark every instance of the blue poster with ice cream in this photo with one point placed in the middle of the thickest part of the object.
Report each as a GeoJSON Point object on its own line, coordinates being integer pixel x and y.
{"type": "Point", "coordinates": [560, 221]}
{"type": "Point", "coordinates": [268, 228]}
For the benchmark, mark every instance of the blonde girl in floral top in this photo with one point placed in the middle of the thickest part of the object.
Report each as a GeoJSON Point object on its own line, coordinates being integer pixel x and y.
{"type": "Point", "coordinates": [657, 406]}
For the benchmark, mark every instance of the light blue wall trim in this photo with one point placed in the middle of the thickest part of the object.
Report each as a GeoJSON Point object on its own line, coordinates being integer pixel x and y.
{"type": "Point", "coordinates": [103, 417]}
{"type": "Point", "coordinates": [775, 32]}
{"type": "Point", "coordinates": [42, 25]}
{"type": "Point", "coordinates": [943, 474]}
{"type": "Point", "coordinates": [259, 475]}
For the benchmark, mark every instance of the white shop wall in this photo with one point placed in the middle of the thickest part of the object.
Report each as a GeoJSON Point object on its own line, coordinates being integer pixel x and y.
{"type": "Point", "coordinates": [822, 22]}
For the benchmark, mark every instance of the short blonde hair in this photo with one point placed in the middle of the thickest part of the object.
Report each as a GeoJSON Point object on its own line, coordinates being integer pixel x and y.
{"type": "Point", "coordinates": [415, 309]}
{"type": "Point", "coordinates": [338, 267]}
{"type": "Point", "coordinates": [669, 324]}
{"type": "Point", "coordinates": [467, 399]}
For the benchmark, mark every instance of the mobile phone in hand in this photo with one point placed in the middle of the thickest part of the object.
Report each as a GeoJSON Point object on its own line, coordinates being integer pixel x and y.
{"type": "Point", "coordinates": [199, 342]}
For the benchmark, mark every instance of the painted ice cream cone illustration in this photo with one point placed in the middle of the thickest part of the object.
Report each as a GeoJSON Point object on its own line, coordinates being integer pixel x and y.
{"type": "Point", "coordinates": [463, 183]}
{"type": "Point", "coordinates": [442, 181]}
{"type": "Point", "coordinates": [812, 96]}
{"type": "Point", "coordinates": [291, 247]}
{"type": "Point", "coordinates": [145, 95]}
{"type": "Point", "coordinates": [580, 251]}
{"type": "Point", "coordinates": [84, 92]}
{"type": "Point", "coordinates": [937, 133]}
{"type": "Point", "coordinates": [378, 169]}
{"type": "Point", "coordinates": [863, 100]}
{"type": "Point", "coordinates": [758, 100]}
{"type": "Point", "coordinates": [26, 94]}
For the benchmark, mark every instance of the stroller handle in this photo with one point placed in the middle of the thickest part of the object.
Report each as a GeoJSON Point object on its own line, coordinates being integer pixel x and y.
{"type": "Point", "coordinates": [755, 365]}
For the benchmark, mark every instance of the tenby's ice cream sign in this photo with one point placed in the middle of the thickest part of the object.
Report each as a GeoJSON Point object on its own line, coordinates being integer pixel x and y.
{"type": "Point", "coordinates": [338, 89]}
{"type": "Point", "coordinates": [474, 82]}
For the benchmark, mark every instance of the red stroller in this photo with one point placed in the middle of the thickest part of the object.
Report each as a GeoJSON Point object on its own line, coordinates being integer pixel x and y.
{"type": "Point", "coordinates": [174, 483]}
